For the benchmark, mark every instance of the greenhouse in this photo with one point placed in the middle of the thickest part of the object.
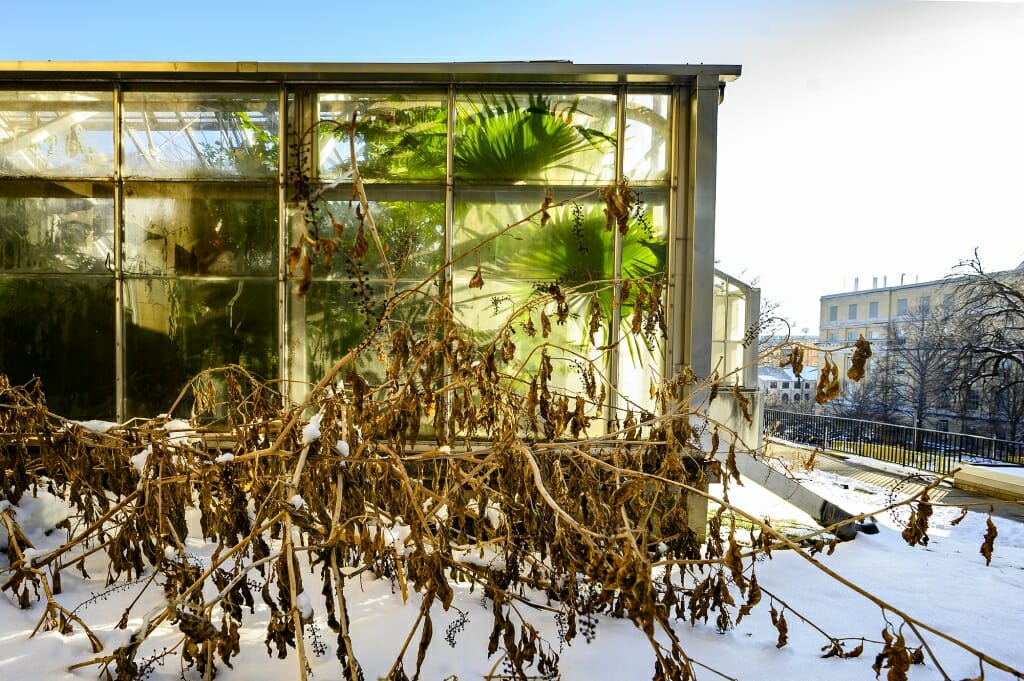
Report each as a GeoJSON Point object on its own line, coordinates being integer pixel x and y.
{"type": "Point", "coordinates": [159, 219]}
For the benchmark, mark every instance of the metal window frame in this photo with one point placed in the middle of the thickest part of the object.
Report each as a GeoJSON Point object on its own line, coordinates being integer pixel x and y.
{"type": "Point", "coordinates": [696, 92]}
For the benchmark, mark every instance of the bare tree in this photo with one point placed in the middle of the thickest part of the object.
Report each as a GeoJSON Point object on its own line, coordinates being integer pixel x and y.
{"type": "Point", "coordinates": [990, 308]}
{"type": "Point", "coordinates": [872, 399]}
{"type": "Point", "coordinates": [923, 346]}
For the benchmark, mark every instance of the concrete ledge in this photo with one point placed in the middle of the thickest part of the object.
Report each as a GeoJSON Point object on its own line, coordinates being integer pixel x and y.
{"type": "Point", "coordinates": [990, 481]}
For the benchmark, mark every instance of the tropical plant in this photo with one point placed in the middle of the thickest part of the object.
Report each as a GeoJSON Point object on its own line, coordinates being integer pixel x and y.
{"type": "Point", "coordinates": [498, 138]}
{"type": "Point", "coordinates": [501, 139]}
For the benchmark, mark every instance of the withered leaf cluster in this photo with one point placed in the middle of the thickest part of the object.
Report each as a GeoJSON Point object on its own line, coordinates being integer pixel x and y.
{"type": "Point", "coordinates": [795, 358]}
{"type": "Point", "coordinates": [828, 387]}
{"type": "Point", "coordinates": [896, 657]}
{"type": "Point", "coordinates": [861, 353]}
{"type": "Point", "coordinates": [916, 531]}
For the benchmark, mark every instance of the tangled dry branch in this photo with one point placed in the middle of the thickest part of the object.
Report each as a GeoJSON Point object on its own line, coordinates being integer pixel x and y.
{"type": "Point", "coordinates": [584, 512]}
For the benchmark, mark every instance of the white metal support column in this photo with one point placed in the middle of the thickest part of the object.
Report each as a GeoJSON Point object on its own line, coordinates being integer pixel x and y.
{"type": "Point", "coordinates": [299, 115]}
{"type": "Point", "coordinates": [702, 162]}
{"type": "Point", "coordinates": [753, 314]}
{"type": "Point", "coordinates": [283, 323]}
{"type": "Point", "coordinates": [120, 391]}
{"type": "Point", "coordinates": [692, 225]}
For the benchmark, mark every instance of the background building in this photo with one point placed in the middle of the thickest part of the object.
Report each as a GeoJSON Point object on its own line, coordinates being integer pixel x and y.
{"type": "Point", "coordinates": [781, 389]}
{"type": "Point", "coordinates": [923, 371]}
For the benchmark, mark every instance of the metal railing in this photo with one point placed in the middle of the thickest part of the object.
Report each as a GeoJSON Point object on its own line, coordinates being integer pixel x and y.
{"type": "Point", "coordinates": [930, 450]}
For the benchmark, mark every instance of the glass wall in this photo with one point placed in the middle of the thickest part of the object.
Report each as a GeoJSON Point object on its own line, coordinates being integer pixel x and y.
{"type": "Point", "coordinates": [57, 246]}
{"type": "Point", "coordinates": [734, 334]}
{"type": "Point", "coordinates": [145, 229]}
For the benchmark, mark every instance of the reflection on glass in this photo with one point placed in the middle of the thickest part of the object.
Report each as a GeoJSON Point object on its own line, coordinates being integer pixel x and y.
{"type": "Point", "coordinates": [574, 252]}
{"type": "Point", "coordinates": [728, 327]}
{"type": "Point", "coordinates": [62, 332]}
{"type": "Point", "coordinates": [648, 136]}
{"type": "Point", "coordinates": [411, 232]}
{"type": "Point", "coordinates": [57, 235]}
{"type": "Point", "coordinates": [56, 134]}
{"type": "Point", "coordinates": [398, 137]}
{"type": "Point", "coordinates": [200, 229]}
{"type": "Point", "coordinates": [334, 316]}
{"type": "Point", "coordinates": [573, 248]}
{"type": "Point", "coordinates": [176, 328]}
{"type": "Point", "coordinates": [541, 137]}
{"type": "Point", "coordinates": [183, 134]}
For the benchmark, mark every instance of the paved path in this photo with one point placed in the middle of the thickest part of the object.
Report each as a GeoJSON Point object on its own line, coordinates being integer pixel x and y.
{"type": "Point", "coordinates": [862, 470]}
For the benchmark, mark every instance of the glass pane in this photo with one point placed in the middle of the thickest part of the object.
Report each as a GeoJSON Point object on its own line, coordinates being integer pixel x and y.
{"type": "Point", "coordinates": [565, 139]}
{"type": "Point", "coordinates": [331, 318]}
{"type": "Point", "coordinates": [398, 137]}
{"type": "Point", "coordinates": [720, 310]}
{"type": "Point", "coordinates": [573, 252]}
{"type": "Point", "coordinates": [63, 228]}
{"type": "Point", "coordinates": [734, 360]}
{"type": "Point", "coordinates": [737, 317]}
{"type": "Point", "coordinates": [411, 232]}
{"type": "Point", "coordinates": [571, 247]}
{"type": "Point", "coordinates": [648, 137]}
{"type": "Point", "coordinates": [181, 134]}
{"type": "Point", "coordinates": [201, 229]}
{"type": "Point", "coordinates": [56, 134]}
{"type": "Point", "coordinates": [574, 249]}
{"type": "Point", "coordinates": [62, 331]}
{"type": "Point", "coordinates": [176, 328]}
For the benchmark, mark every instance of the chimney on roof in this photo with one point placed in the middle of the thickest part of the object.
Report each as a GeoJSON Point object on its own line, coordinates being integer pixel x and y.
{"type": "Point", "coordinates": [885, 281]}
{"type": "Point", "coordinates": [874, 282]}
{"type": "Point", "coordinates": [856, 283]}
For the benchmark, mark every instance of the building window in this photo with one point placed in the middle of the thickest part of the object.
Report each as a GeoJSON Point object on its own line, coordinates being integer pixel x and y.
{"type": "Point", "coordinates": [192, 207]}
{"type": "Point", "coordinates": [901, 306]}
{"type": "Point", "coordinates": [851, 335]}
{"type": "Point", "coordinates": [973, 400]}
{"type": "Point", "coordinates": [773, 385]}
{"type": "Point", "coordinates": [852, 312]}
{"type": "Point", "coordinates": [833, 313]}
{"type": "Point", "coordinates": [924, 304]}
{"type": "Point", "coordinates": [785, 397]}
{"type": "Point", "coordinates": [832, 336]}
{"type": "Point", "coordinates": [873, 310]}
{"type": "Point", "coordinates": [901, 366]}
{"type": "Point", "coordinates": [796, 397]}
{"type": "Point", "coordinates": [948, 302]}
{"type": "Point", "coordinates": [785, 384]}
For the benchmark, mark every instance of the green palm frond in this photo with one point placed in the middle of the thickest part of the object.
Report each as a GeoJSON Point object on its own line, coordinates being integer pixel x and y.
{"type": "Point", "coordinates": [499, 139]}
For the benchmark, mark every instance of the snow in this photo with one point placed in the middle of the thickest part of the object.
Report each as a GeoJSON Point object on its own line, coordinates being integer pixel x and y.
{"type": "Point", "coordinates": [141, 459]}
{"type": "Point", "coordinates": [945, 584]}
{"type": "Point", "coordinates": [181, 431]}
{"type": "Point", "coordinates": [311, 431]}
{"type": "Point", "coordinates": [97, 426]}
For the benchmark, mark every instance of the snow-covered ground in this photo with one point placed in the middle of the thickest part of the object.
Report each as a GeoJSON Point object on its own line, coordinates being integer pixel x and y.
{"type": "Point", "coordinates": [945, 584]}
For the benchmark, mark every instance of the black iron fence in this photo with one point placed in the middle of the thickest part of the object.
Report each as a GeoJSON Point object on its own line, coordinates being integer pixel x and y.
{"type": "Point", "coordinates": [930, 450]}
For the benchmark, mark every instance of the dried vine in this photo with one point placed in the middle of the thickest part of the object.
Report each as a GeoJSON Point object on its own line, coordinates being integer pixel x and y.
{"type": "Point", "coordinates": [580, 500]}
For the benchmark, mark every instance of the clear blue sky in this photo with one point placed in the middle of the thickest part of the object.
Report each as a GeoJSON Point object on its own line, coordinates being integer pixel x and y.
{"type": "Point", "coordinates": [865, 137]}
{"type": "Point", "coordinates": [396, 30]}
